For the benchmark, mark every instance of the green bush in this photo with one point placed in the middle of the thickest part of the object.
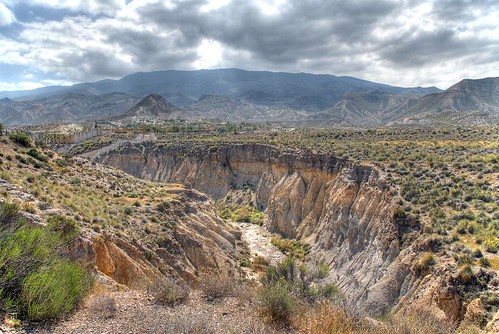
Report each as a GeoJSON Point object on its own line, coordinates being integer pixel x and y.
{"type": "Point", "coordinates": [491, 244]}
{"type": "Point", "coordinates": [75, 181]}
{"type": "Point", "coordinates": [465, 274]}
{"type": "Point", "coordinates": [37, 155]}
{"type": "Point", "coordinates": [322, 269]}
{"type": "Point", "coordinates": [21, 138]}
{"type": "Point", "coordinates": [64, 226]}
{"type": "Point", "coordinates": [9, 214]}
{"type": "Point", "coordinates": [277, 303]}
{"type": "Point", "coordinates": [169, 293]}
{"type": "Point", "coordinates": [291, 247]}
{"type": "Point", "coordinates": [243, 214]}
{"type": "Point", "coordinates": [34, 281]}
{"type": "Point", "coordinates": [53, 290]}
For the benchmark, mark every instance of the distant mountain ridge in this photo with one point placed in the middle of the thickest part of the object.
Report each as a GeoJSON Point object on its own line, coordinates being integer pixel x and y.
{"type": "Point", "coordinates": [152, 105]}
{"type": "Point", "coordinates": [185, 87]}
{"type": "Point", "coordinates": [233, 95]}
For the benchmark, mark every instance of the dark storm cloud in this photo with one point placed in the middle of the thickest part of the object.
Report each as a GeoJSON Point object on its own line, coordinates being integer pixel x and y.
{"type": "Point", "coordinates": [450, 39]}
{"type": "Point", "coordinates": [414, 50]}
{"type": "Point", "coordinates": [462, 10]}
{"type": "Point", "coordinates": [302, 28]}
{"type": "Point", "coordinates": [150, 50]}
{"type": "Point", "coordinates": [94, 62]}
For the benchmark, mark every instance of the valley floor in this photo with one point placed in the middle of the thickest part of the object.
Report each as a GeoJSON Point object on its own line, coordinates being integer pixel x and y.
{"type": "Point", "coordinates": [136, 312]}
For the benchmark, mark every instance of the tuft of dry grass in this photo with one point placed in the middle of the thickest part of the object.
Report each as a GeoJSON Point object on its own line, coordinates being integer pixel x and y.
{"type": "Point", "coordinates": [169, 293]}
{"type": "Point", "coordinates": [218, 286]}
{"type": "Point", "coordinates": [325, 318]}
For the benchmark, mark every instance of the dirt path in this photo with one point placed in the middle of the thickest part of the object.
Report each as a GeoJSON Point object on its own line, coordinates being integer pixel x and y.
{"type": "Point", "coordinates": [258, 240]}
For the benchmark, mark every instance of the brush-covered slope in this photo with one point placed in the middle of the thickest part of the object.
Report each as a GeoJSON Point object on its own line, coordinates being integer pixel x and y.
{"type": "Point", "coordinates": [64, 108]}
{"type": "Point", "coordinates": [132, 232]}
{"type": "Point", "coordinates": [466, 103]}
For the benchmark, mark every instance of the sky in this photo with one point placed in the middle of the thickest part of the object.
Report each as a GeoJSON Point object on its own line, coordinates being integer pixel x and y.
{"type": "Point", "coordinates": [397, 42]}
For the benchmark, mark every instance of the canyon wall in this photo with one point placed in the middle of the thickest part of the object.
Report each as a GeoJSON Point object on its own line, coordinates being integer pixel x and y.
{"type": "Point", "coordinates": [344, 211]}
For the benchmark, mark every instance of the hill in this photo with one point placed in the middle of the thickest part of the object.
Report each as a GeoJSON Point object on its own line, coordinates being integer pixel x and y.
{"type": "Point", "coordinates": [150, 110]}
{"type": "Point", "coordinates": [68, 107]}
{"type": "Point", "coordinates": [469, 102]}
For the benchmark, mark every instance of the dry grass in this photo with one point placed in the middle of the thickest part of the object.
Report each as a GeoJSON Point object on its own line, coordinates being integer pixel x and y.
{"type": "Point", "coordinates": [325, 318]}
{"type": "Point", "coordinates": [169, 293]}
{"type": "Point", "coordinates": [218, 286]}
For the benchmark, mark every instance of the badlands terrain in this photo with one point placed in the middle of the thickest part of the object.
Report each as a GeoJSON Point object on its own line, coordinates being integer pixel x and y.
{"type": "Point", "coordinates": [231, 201]}
{"type": "Point", "coordinates": [243, 228]}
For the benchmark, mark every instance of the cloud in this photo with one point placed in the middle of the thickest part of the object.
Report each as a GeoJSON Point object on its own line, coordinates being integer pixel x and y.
{"type": "Point", "coordinates": [93, 7]}
{"type": "Point", "coordinates": [401, 42]}
{"type": "Point", "coordinates": [6, 16]}
{"type": "Point", "coordinates": [22, 85]}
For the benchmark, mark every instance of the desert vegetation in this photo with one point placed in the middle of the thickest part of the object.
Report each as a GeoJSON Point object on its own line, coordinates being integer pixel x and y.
{"type": "Point", "coordinates": [35, 282]}
{"type": "Point", "coordinates": [444, 184]}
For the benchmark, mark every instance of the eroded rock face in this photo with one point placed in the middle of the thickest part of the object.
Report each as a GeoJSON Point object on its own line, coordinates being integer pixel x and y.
{"type": "Point", "coordinates": [199, 242]}
{"type": "Point", "coordinates": [344, 211]}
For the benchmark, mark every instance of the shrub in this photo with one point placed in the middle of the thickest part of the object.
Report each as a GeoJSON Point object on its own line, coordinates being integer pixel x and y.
{"type": "Point", "coordinates": [259, 263]}
{"type": "Point", "coordinates": [169, 293]}
{"type": "Point", "coordinates": [465, 274]}
{"type": "Point", "coordinates": [276, 303]}
{"type": "Point", "coordinates": [53, 290]}
{"type": "Point", "coordinates": [326, 319]}
{"type": "Point", "coordinates": [33, 279]}
{"type": "Point", "coordinates": [423, 264]}
{"type": "Point", "coordinates": [218, 286]}
{"type": "Point", "coordinates": [291, 247]}
{"type": "Point", "coordinates": [10, 214]}
{"type": "Point", "coordinates": [327, 291]}
{"type": "Point", "coordinates": [285, 270]}
{"type": "Point", "coordinates": [61, 163]}
{"type": "Point", "coordinates": [484, 262]}
{"type": "Point", "coordinates": [75, 181]}
{"type": "Point", "coordinates": [37, 155]}
{"type": "Point", "coordinates": [163, 206]}
{"type": "Point", "coordinates": [243, 214]}
{"type": "Point", "coordinates": [322, 269]}
{"type": "Point", "coordinates": [491, 244]}
{"type": "Point", "coordinates": [21, 138]}
{"type": "Point", "coordinates": [66, 227]}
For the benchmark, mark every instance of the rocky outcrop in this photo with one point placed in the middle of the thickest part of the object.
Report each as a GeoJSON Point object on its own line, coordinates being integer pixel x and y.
{"type": "Point", "coordinates": [200, 242]}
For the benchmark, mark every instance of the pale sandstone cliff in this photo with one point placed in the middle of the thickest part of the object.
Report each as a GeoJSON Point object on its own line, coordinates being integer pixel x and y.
{"type": "Point", "coordinates": [344, 211]}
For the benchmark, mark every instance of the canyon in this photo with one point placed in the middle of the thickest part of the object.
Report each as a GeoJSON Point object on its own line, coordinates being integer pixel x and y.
{"type": "Point", "coordinates": [342, 210]}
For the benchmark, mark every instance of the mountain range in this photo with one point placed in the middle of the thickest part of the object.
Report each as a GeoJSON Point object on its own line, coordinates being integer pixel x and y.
{"type": "Point", "coordinates": [238, 95]}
